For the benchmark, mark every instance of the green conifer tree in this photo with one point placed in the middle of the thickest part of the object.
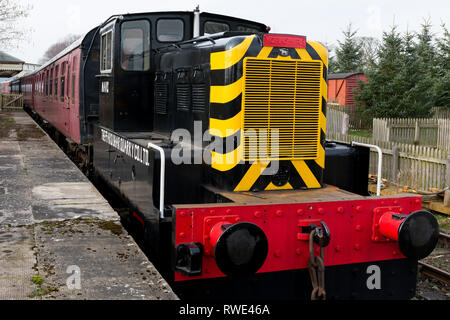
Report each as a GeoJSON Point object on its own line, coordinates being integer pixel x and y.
{"type": "Point", "coordinates": [381, 96]}
{"type": "Point", "coordinates": [349, 52]}
{"type": "Point", "coordinates": [441, 86]}
{"type": "Point", "coordinates": [420, 98]}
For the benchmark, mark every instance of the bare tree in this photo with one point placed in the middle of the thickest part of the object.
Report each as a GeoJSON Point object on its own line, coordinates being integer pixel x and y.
{"type": "Point", "coordinates": [58, 47]}
{"type": "Point", "coordinates": [370, 47]}
{"type": "Point", "coordinates": [10, 13]}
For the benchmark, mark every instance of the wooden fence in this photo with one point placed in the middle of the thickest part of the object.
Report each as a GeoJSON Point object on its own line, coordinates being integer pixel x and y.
{"type": "Point", "coordinates": [356, 119]}
{"type": "Point", "coordinates": [11, 101]}
{"type": "Point", "coordinates": [337, 121]}
{"type": "Point", "coordinates": [443, 139]}
{"type": "Point", "coordinates": [419, 167]}
{"type": "Point", "coordinates": [426, 132]}
{"type": "Point", "coordinates": [441, 112]}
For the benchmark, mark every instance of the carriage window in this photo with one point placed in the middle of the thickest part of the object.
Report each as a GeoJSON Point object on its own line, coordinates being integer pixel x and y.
{"type": "Point", "coordinates": [135, 38]}
{"type": "Point", "coordinates": [170, 30]}
{"type": "Point", "coordinates": [68, 83]}
{"type": "Point", "coordinates": [212, 27]}
{"type": "Point", "coordinates": [51, 84]}
{"type": "Point", "coordinates": [73, 88]}
{"type": "Point", "coordinates": [106, 52]}
{"type": "Point", "coordinates": [55, 94]}
{"type": "Point", "coordinates": [46, 83]}
{"type": "Point", "coordinates": [63, 85]}
{"type": "Point", "coordinates": [247, 29]}
{"type": "Point", "coordinates": [63, 81]}
{"type": "Point", "coordinates": [73, 79]}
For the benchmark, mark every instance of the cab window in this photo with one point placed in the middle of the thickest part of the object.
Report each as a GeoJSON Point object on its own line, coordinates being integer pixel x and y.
{"type": "Point", "coordinates": [135, 50]}
{"type": "Point", "coordinates": [106, 52]}
{"type": "Point", "coordinates": [212, 27]}
{"type": "Point", "coordinates": [170, 30]}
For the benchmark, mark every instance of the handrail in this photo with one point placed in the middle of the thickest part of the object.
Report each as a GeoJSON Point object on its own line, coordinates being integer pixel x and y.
{"type": "Point", "coordinates": [162, 177]}
{"type": "Point", "coordinates": [380, 161]}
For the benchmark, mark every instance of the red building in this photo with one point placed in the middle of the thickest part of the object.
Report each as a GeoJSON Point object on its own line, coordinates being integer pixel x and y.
{"type": "Point", "coordinates": [341, 87]}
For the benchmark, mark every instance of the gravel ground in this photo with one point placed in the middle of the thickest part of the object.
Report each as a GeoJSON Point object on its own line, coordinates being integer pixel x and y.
{"type": "Point", "coordinates": [430, 289]}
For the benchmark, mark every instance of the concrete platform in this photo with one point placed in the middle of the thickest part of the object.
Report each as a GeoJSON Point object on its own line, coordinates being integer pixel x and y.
{"type": "Point", "coordinates": [59, 238]}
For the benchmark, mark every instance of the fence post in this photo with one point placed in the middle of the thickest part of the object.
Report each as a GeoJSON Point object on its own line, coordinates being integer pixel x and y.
{"type": "Point", "coordinates": [395, 159]}
{"type": "Point", "coordinates": [447, 198]}
{"type": "Point", "coordinates": [447, 182]}
{"type": "Point", "coordinates": [447, 178]}
{"type": "Point", "coordinates": [388, 131]}
{"type": "Point", "coordinates": [345, 124]}
{"type": "Point", "coordinates": [416, 133]}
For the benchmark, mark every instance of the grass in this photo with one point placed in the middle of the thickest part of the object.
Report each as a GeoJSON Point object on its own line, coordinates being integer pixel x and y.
{"type": "Point", "coordinates": [7, 123]}
{"type": "Point", "coordinates": [444, 222]}
{"type": "Point", "coordinates": [40, 291]}
{"type": "Point", "coordinates": [24, 131]}
{"type": "Point", "coordinates": [37, 280]}
{"type": "Point", "coordinates": [361, 133]}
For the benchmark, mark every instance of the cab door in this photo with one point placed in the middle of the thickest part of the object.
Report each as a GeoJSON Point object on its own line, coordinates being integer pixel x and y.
{"type": "Point", "coordinates": [107, 112]}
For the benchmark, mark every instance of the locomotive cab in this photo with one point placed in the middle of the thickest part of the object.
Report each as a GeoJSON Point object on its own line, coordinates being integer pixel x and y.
{"type": "Point", "coordinates": [128, 46]}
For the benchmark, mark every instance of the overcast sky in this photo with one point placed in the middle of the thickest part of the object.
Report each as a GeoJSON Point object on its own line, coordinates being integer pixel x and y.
{"type": "Point", "coordinates": [323, 21]}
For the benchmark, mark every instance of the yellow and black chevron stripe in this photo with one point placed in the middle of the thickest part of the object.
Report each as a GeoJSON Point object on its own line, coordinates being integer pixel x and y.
{"type": "Point", "coordinates": [226, 96]}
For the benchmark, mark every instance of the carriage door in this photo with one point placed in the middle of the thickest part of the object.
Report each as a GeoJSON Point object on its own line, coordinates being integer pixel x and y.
{"type": "Point", "coordinates": [64, 96]}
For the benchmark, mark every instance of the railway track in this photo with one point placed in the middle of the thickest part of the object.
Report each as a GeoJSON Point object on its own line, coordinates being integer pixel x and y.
{"type": "Point", "coordinates": [432, 271]}
{"type": "Point", "coordinates": [444, 238]}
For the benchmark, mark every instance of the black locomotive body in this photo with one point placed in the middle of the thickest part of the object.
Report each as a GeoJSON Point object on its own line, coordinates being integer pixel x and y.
{"type": "Point", "coordinates": [213, 131]}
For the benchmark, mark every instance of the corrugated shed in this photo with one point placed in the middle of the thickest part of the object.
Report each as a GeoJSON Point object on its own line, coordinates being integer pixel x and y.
{"type": "Point", "coordinates": [341, 87]}
{"type": "Point", "coordinates": [352, 86]}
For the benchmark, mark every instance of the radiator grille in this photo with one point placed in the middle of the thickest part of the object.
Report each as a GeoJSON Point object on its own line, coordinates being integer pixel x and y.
{"type": "Point", "coordinates": [283, 95]}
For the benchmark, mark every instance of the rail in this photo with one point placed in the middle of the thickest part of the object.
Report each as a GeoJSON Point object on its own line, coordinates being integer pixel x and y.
{"type": "Point", "coordinates": [432, 271]}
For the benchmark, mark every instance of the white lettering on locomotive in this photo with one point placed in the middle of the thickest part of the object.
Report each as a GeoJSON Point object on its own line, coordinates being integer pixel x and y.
{"type": "Point", "coordinates": [374, 280]}
{"type": "Point", "coordinates": [132, 150]}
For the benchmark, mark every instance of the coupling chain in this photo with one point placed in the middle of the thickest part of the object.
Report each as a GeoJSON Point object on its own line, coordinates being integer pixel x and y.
{"type": "Point", "coordinates": [316, 267]}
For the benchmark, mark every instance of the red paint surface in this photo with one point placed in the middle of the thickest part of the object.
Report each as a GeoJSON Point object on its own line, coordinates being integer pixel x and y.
{"type": "Point", "coordinates": [341, 90]}
{"type": "Point", "coordinates": [378, 213]}
{"type": "Point", "coordinates": [389, 226]}
{"type": "Point", "coordinates": [351, 225]}
{"type": "Point", "coordinates": [284, 40]}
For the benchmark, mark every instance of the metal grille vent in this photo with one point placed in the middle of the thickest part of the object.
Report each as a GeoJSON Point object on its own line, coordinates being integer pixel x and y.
{"type": "Point", "coordinates": [161, 95]}
{"type": "Point", "coordinates": [281, 95]}
{"type": "Point", "coordinates": [198, 97]}
{"type": "Point", "coordinates": [183, 96]}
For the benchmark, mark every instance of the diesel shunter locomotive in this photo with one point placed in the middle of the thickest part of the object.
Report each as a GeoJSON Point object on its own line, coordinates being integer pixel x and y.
{"type": "Point", "coordinates": [213, 131]}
